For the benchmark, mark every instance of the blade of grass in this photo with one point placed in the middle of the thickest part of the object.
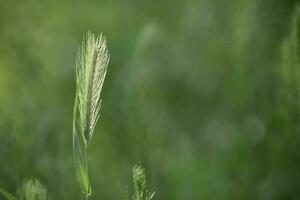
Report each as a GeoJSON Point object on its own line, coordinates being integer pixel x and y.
{"type": "Point", "coordinates": [80, 162]}
{"type": "Point", "coordinates": [7, 195]}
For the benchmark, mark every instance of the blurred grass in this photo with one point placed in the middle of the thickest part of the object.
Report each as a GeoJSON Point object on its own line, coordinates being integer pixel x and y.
{"type": "Point", "coordinates": [197, 91]}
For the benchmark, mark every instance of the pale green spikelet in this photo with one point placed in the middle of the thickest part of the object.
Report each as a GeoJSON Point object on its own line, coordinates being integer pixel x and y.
{"type": "Point", "coordinates": [91, 65]}
{"type": "Point", "coordinates": [32, 190]}
{"type": "Point", "coordinates": [29, 190]}
{"type": "Point", "coordinates": [141, 191]}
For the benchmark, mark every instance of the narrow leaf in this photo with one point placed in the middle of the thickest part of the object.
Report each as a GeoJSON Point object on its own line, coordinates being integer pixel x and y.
{"type": "Point", "coordinates": [7, 195]}
{"type": "Point", "coordinates": [80, 165]}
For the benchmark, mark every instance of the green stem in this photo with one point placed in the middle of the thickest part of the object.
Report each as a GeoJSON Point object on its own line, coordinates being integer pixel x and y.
{"type": "Point", "coordinates": [86, 168]}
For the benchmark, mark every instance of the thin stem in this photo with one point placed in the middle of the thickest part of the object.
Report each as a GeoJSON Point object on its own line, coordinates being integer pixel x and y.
{"type": "Point", "coordinates": [86, 168]}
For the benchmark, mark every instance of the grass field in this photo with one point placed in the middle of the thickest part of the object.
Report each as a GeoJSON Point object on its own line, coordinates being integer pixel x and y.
{"type": "Point", "coordinates": [204, 94]}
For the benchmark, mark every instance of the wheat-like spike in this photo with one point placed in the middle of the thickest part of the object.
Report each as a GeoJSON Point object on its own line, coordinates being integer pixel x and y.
{"type": "Point", "coordinates": [91, 69]}
{"type": "Point", "coordinates": [141, 191]}
{"type": "Point", "coordinates": [91, 65]}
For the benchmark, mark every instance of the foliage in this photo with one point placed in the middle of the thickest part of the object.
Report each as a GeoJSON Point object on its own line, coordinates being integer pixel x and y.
{"type": "Point", "coordinates": [7, 195]}
{"type": "Point", "coordinates": [30, 190]}
{"type": "Point", "coordinates": [141, 191]}
{"type": "Point", "coordinates": [205, 93]}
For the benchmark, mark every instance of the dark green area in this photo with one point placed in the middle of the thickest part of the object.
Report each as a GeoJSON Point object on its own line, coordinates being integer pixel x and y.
{"type": "Point", "coordinates": [204, 93]}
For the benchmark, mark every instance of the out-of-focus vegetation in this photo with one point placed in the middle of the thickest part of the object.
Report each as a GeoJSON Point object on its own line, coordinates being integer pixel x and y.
{"type": "Point", "coordinates": [141, 191]}
{"type": "Point", "coordinates": [204, 93]}
{"type": "Point", "coordinates": [30, 190]}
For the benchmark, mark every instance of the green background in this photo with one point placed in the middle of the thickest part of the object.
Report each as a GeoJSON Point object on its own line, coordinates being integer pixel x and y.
{"type": "Point", "coordinates": [205, 94]}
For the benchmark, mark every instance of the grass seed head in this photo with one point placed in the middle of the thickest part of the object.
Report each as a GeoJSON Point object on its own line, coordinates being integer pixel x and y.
{"type": "Point", "coordinates": [91, 65]}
